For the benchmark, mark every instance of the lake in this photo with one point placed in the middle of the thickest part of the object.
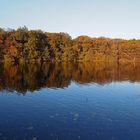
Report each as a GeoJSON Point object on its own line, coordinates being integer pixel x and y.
{"type": "Point", "coordinates": [70, 101]}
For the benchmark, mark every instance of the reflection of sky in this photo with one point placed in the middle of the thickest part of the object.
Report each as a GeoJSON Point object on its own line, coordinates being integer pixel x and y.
{"type": "Point", "coordinates": [111, 18]}
{"type": "Point", "coordinates": [89, 111]}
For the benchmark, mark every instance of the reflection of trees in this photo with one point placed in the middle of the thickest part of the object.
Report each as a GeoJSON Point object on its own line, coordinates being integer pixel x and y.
{"type": "Point", "coordinates": [58, 75]}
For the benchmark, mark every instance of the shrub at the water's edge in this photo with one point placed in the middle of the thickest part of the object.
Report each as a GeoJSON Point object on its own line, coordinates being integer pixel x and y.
{"type": "Point", "coordinates": [31, 77]}
{"type": "Point", "coordinates": [23, 45]}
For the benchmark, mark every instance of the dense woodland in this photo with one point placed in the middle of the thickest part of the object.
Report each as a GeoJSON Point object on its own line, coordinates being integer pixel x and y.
{"type": "Point", "coordinates": [23, 45]}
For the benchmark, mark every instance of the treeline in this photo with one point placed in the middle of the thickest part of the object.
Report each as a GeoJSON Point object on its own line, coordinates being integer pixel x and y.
{"type": "Point", "coordinates": [30, 77]}
{"type": "Point", "coordinates": [35, 45]}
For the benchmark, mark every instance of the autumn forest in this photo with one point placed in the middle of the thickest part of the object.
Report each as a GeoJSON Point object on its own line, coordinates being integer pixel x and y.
{"type": "Point", "coordinates": [23, 45]}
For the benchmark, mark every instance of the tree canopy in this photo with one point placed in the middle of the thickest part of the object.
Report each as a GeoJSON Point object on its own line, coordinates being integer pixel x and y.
{"type": "Point", "coordinates": [35, 45]}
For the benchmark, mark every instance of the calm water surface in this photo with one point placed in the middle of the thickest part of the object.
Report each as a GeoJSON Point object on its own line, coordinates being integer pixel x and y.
{"type": "Point", "coordinates": [64, 101]}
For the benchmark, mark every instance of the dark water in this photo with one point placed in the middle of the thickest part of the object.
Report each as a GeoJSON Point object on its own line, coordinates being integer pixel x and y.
{"type": "Point", "coordinates": [70, 101]}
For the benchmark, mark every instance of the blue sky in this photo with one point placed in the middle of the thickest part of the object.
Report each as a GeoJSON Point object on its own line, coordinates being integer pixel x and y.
{"type": "Point", "coordinates": [109, 18]}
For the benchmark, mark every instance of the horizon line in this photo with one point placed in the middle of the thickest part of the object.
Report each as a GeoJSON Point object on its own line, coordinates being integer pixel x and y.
{"type": "Point", "coordinates": [73, 37]}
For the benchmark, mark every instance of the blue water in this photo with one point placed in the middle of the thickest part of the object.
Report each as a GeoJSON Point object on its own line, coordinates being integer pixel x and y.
{"type": "Point", "coordinates": [76, 112]}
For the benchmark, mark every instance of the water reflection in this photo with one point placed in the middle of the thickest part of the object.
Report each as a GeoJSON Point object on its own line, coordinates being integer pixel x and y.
{"type": "Point", "coordinates": [76, 112]}
{"type": "Point", "coordinates": [30, 77]}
